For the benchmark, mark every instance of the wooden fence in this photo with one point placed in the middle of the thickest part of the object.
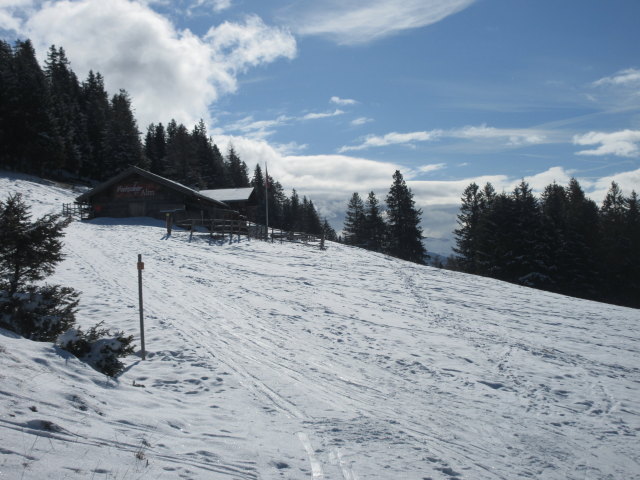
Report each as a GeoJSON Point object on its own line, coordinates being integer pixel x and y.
{"type": "Point", "coordinates": [81, 211]}
{"type": "Point", "coordinates": [221, 228]}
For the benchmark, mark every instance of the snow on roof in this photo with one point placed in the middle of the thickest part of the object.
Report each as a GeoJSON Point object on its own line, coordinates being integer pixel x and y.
{"type": "Point", "coordinates": [228, 194]}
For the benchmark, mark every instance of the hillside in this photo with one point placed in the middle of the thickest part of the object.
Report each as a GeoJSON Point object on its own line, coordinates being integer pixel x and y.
{"type": "Point", "coordinates": [281, 361]}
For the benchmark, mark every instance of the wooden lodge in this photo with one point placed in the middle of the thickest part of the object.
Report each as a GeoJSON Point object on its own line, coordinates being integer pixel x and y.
{"type": "Point", "coordinates": [138, 193]}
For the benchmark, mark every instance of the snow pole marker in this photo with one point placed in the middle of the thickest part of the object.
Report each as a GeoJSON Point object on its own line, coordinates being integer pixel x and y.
{"type": "Point", "coordinates": [140, 268]}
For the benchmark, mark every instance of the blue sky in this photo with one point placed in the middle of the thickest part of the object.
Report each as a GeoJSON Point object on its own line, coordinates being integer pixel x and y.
{"type": "Point", "coordinates": [336, 95]}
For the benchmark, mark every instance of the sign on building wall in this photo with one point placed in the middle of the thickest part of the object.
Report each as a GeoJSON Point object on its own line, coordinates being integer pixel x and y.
{"type": "Point", "coordinates": [136, 190]}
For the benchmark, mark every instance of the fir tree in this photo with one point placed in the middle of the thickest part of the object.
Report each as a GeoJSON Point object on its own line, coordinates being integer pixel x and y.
{"type": "Point", "coordinates": [614, 242]}
{"type": "Point", "coordinates": [328, 231]}
{"type": "Point", "coordinates": [29, 250]}
{"type": "Point", "coordinates": [405, 234]}
{"type": "Point", "coordinates": [34, 144]}
{"type": "Point", "coordinates": [237, 174]}
{"type": "Point", "coordinates": [468, 235]}
{"type": "Point", "coordinates": [95, 105]}
{"type": "Point", "coordinates": [65, 95]}
{"type": "Point", "coordinates": [209, 161]}
{"type": "Point", "coordinates": [155, 148]}
{"type": "Point", "coordinates": [181, 162]}
{"type": "Point", "coordinates": [374, 225]}
{"type": "Point", "coordinates": [354, 222]}
{"type": "Point", "coordinates": [122, 146]}
{"type": "Point", "coordinates": [258, 183]}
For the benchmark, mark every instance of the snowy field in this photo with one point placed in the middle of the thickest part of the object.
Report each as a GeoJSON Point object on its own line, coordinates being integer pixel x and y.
{"type": "Point", "coordinates": [281, 361]}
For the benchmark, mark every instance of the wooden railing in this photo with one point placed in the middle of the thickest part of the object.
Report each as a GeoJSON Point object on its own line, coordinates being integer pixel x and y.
{"type": "Point", "coordinates": [221, 228]}
{"type": "Point", "coordinates": [81, 211]}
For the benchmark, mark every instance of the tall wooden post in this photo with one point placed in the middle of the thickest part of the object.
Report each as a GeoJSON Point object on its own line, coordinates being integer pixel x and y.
{"type": "Point", "coordinates": [140, 268]}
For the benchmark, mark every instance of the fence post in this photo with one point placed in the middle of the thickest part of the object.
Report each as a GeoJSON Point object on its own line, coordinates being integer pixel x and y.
{"type": "Point", "coordinates": [140, 268]}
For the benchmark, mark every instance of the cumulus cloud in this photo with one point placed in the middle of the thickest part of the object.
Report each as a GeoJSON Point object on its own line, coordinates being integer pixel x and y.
{"type": "Point", "coordinates": [170, 73]}
{"type": "Point", "coordinates": [630, 76]}
{"type": "Point", "coordinates": [625, 143]}
{"type": "Point", "coordinates": [342, 101]}
{"type": "Point", "coordinates": [359, 21]}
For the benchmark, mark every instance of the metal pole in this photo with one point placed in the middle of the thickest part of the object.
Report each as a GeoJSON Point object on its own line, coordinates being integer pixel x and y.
{"type": "Point", "coordinates": [140, 268]}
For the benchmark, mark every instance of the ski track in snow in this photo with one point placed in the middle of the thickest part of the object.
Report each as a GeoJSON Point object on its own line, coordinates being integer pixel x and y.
{"type": "Point", "coordinates": [283, 361]}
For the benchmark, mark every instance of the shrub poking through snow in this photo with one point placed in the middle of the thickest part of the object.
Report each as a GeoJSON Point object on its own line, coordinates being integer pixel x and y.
{"type": "Point", "coordinates": [39, 313]}
{"type": "Point", "coordinates": [99, 347]}
{"type": "Point", "coordinates": [29, 251]}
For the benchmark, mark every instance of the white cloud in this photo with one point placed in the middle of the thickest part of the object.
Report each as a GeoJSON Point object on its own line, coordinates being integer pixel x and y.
{"type": "Point", "coordinates": [315, 116]}
{"type": "Point", "coordinates": [216, 5]}
{"type": "Point", "coordinates": [259, 129]}
{"type": "Point", "coordinates": [170, 73]}
{"type": "Point", "coordinates": [240, 46]}
{"type": "Point", "coordinates": [361, 121]}
{"type": "Point", "coordinates": [627, 181]}
{"type": "Point", "coordinates": [512, 136]}
{"type": "Point", "coordinates": [507, 136]}
{"type": "Point", "coordinates": [342, 101]}
{"type": "Point", "coordinates": [431, 167]}
{"type": "Point", "coordinates": [630, 76]}
{"type": "Point", "coordinates": [625, 143]}
{"type": "Point", "coordinates": [393, 138]}
{"type": "Point", "coordinates": [361, 21]}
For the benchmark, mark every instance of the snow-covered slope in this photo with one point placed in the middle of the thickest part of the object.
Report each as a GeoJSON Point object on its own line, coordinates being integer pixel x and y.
{"type": "Point", "coordinates": [283, 361]}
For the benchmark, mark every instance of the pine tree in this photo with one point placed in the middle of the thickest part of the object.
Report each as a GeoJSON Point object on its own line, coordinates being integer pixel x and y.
{"type": "Point", "coordinates": [122, 146]}
{"type": "Point", "coordinates": [182, 163]}
{"type": "Point", "coordinates": [468, 234]}
{"type": "Point", "coordinates": [35, 145]}
{"type": "Point", "coordinates": [328, 231]}
{"type": "Point", "coordinates": [582, 244]}
{"type": "Point", "coordinates": [95, 105]}
{"type": "Point", "coordinates": [405, 233]}
{"type": "Point", "coordinates": [210, 162]}
{"type": "Point", "coordinates": [65, 94]}
{"type": "Point", "coordinates": [614, 242]}
{"type": "Point", "coordinates": [258, 183]}
{"type": "Point", "coordinates": [29, 250]}
{"type": "Point", "coordinates": [236, 170]}
{"type": "Point", "coordinates": [155, 148]}
{"type": "Point", "coordinates": [354, 222]}
{"type": "Point", "coordinates": [8, 84]}
{"type": "Point", "coordinates": [632, 227]}
{"type": "Point", "coordinates": [374, 225]}
{"type": "Point", "coordinates": [313, 224]}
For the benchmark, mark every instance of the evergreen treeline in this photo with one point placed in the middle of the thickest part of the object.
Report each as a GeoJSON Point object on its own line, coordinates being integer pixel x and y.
{"type": "Point", "coordinates": [53, 124]}
{"type": "Point", "coordinates": [560, 242]}
{"type": "Point", "coordinates": [395, 231]}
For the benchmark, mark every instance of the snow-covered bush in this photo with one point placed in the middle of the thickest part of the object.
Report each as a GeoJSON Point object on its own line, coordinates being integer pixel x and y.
{"type": "Point", "coordinates": [39, 313]}
{"type": "Point", "coordinates": [99, 347]}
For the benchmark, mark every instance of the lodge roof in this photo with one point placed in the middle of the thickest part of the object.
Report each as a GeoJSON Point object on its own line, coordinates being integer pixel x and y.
{"type": "Point", "coordinates": [155, 178]}
{"type": "Point", "coordinates": [228, 194]}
